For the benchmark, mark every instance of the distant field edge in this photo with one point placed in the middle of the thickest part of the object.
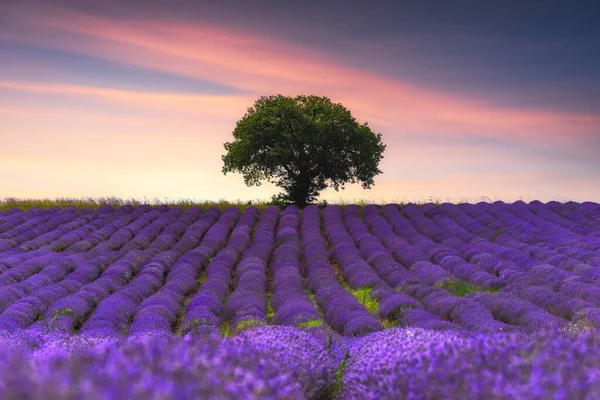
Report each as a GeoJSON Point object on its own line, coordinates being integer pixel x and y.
{"type": "Point", "coordinates": [8, 203]}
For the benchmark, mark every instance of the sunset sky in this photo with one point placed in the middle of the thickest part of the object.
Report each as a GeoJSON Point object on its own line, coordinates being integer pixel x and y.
{"type": "Point", "coordinates": [135, 99]}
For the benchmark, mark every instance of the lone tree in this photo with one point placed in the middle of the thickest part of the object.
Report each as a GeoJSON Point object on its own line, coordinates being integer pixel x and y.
{"type": "Point", "coordinates": [303, 145]}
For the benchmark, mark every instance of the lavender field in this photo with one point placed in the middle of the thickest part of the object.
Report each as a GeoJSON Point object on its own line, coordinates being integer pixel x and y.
{"type": "Point", "coordinates": [487, 300]}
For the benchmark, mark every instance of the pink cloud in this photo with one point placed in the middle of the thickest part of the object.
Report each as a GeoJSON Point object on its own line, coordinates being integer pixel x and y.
{"type": "Point", "coordinates": [221, 106]}
{"type": "Point", "coordinates": [265, 65]}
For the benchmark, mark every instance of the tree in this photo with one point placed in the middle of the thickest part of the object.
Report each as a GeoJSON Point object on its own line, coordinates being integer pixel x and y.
{"type": "Point", "coordinates": [303, 145]}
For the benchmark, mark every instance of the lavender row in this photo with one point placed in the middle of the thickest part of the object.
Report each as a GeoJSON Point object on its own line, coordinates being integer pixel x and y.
{"type": "Point", "coordinates": [16, 237]}
{"type": "Point", "coordinates": [101, 282]}
{"type": "Point", "coordinates": [247, 302]}
{"type": "Point", "coordinates": [267, 363]}
{"type": "Point", "coordinates": [516, 269]}
{"type": "Point", "coordinates": [31, 293]}
{"type": "Point", "coordinates": [290, 301]}
{"type": "Point", "coordinates": [527, 267]}
{"type": "Point", "coordinates": [205, 308]}
{"type": "Point", "coordinates": [420, 364]}
{"type": "Point", "coordinates": [159, 312]}
{"type": "Point", "coordinates": [342, 311]}
{"type": "Point", "coordinates": [114, 313]}
{"type": "Point", "coordinates": [283, 362]}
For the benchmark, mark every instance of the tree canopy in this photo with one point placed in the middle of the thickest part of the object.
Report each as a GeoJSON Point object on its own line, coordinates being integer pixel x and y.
{"type": "Point", "coordinates": [303, 145]}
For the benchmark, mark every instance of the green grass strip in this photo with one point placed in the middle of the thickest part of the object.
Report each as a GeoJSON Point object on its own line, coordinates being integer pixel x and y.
{"type": "Point", "coordinates": [460, 287]}
{"type": "Point", "coordinates": [313, 323]}
{"type": "Point", "coordinates": [364, 297]}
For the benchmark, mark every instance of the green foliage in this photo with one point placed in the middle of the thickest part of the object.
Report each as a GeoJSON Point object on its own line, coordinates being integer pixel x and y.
{"type": "Point", "coordinates": [248, 323]}
{"type": "Point", "coordinates": [279, 201]}
{"type": "Point", "coordinates": [125, 327]}
{"type": "Point", "coordinates": [51, 325]}
{"type": "Point", "coordinates": [461, 288]}
{"type": "Point", "coordinates": [201, 280]}
{"type": "Point", "coordinates": [302, 145]}
{"type": "Point", "coordinates": [397, 313]}
{"type": "Point", "coordinates": [191, 326]}
{"type": "Point", "coordinates": [9, 203]}
{"type": "Point", "coordinates": [270, 311]}
{"type": "Point", "coordinates": [224, 329]}
{"type": "Point", "coordinates": [179, 327]}
{"type": "Point", "coordinates": [364, 297]}
{"type": "Point", "coordinates": [60, 247]}
{"type": "Point", "coordinates": [313, 323]}
{"type": "Point", "coordinates": [387, 324]}
{"type": "Point", "coordinates": [323, 203]}
{"type": "Point", "coordinates": [339, 376]}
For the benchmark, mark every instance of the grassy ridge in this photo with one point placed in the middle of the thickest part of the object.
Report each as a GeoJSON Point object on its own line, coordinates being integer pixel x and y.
{"type": "Point", "coordinates": [63, 202]}
{"type": "Point", "coordinates": [9, 203]}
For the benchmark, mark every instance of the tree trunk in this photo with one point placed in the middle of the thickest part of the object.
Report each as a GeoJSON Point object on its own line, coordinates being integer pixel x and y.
{"type": "Point", "coordinates": [300, 191]}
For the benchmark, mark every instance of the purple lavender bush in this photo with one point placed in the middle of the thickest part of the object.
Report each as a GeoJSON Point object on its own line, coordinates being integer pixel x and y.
{"type": "Point", "coordinates": [470, 301]}
{"type": "Point", "coordinates": [421, 364]}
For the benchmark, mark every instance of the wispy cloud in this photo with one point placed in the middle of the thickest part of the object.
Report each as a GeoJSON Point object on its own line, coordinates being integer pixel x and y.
{"type": "Point", "coordinates": [265, 65]}
{"type": "Point", "coordinates": [215, 105]}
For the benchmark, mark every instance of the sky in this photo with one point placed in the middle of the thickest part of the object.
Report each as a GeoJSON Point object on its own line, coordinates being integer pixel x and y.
{"type": "Point", "coordinates": [474, 100]}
